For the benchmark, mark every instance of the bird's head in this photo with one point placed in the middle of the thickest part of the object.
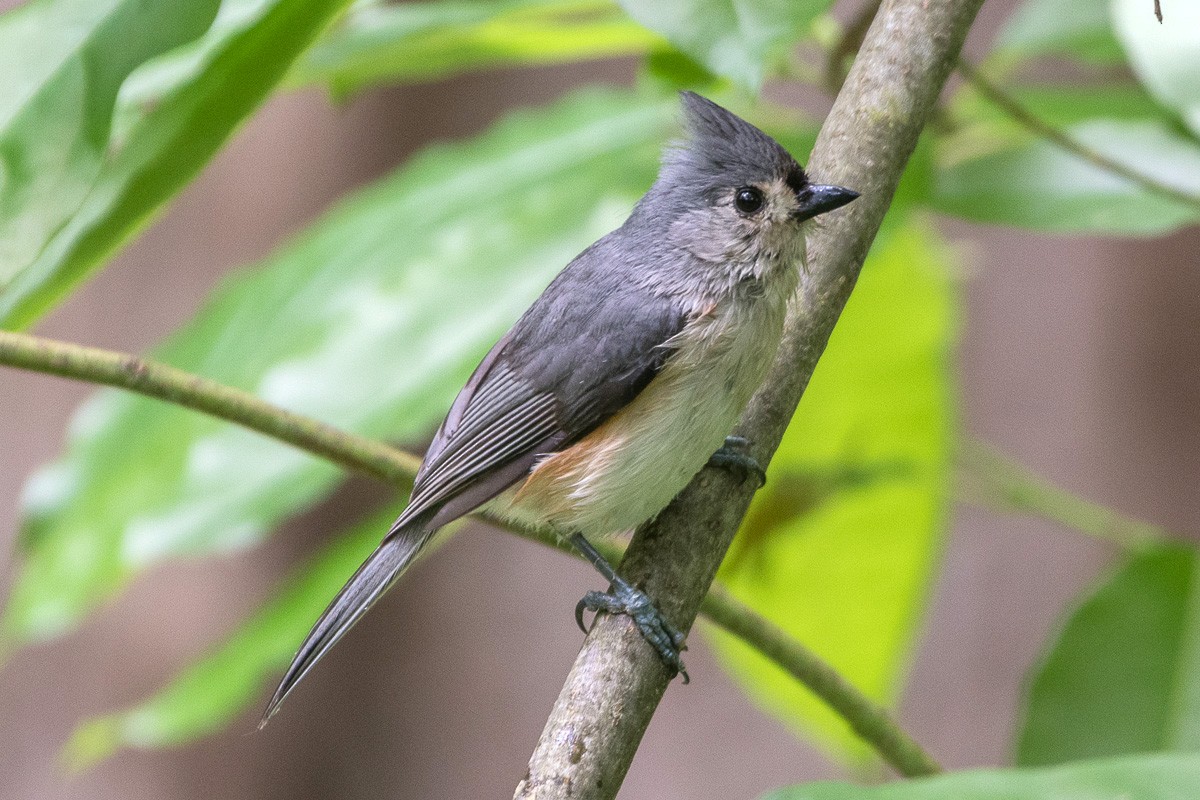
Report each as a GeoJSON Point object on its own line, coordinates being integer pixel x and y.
{"type": "Point", "coordinates": [738, 193]}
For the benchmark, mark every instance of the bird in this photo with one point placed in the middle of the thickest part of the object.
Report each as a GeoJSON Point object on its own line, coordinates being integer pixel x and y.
{"type": "Point", "coordinates": [623, 379]}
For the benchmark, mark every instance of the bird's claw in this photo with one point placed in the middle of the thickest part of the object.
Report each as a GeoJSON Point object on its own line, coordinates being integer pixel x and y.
{"type": "Point", "coordinates": [666, 640]}
{"type": "Point", "coordinates": [733, 456]}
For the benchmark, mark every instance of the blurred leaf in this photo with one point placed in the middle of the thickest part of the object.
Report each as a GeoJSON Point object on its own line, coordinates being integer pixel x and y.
{"type": "Point", "coordinates": [1173, 777]}
{"type": "Point", "coordinates": [1123, 676]}
{"type": "Point", "coordinates": [740, 39]}
{"type": "Point", "coordinates": [841, 545]}
{"type": "Point", "coordinates": [1166, 57]}
{"type": "Point", "coordinates": [372, 320]}
{"type": "Point", "coordinates": [164, 143]}
{"type": "Point", "coordinates": [980, 127]}
{"type": "Point", "coordinates": [211, 692]}
{"type": "Point", "coordinates": [1065, 28]}
{"type": "Point", "coordinates": [675, 70]}
{"type": "Point", "coordinates": [423, 41]}
{"type": "Point", "coordinates": [63, 62]}
{"type": "Point", "coordinates": [1032, 183]}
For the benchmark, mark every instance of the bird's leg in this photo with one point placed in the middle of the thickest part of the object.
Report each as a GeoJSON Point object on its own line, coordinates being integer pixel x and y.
{"type": "Point", "coordinates": [623, 598]}
{"type": "Point", "coordinates": [734, 456]}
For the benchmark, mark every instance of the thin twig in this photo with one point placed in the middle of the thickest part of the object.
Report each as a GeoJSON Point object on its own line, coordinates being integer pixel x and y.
{"type": "Point", "coordinates": [201, 394]}
{"type": "Point", "coordinates": [869, 720]}
{"type": "Point", "coordinates": [990, 479]}
{"type": "Point", "coordinates": [848, 44]}
{"type": "Point", "coordinates": [397, 467]}
{"type": "Point", "coordinates": [1019, 113]}
{"type": "Point", "coordinates": [1158, 11]}
{"type": "Point", "coordinates": [617, 680]}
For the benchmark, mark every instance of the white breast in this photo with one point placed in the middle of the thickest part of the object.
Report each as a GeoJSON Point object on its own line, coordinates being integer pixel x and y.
{"type": "Point", "coordinates": [633, 465]}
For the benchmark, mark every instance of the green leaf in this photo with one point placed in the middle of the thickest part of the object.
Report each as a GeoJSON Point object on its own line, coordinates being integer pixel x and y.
{"type": "Point", "coordinates": [63, 62]}
{"type": "Point", "coordinates": [1123, 676]}
{"type": "Point", "coordinates": [164, 143]}
{"type": "Point", "coordinates": [211, 692]}
{"type": "Point", "coordinates": [423, 41]}
{"type": "Point", "coordinates": [1164, 56]}
{"type": "Point", "coordinates": [740, 39]}
{"type": "Point", "coordinates": [840, 546]}
{"type": "Point", "coordinates": [1078, 29]}
{"type": "Point", "coordinates": [372, 321]}
{"type": "Point", "coordinates": [676, 70]}
{"type": "Point", "coordinates": [1173, 777]}
{"type": "Point", "coordinates": [1032, 183]}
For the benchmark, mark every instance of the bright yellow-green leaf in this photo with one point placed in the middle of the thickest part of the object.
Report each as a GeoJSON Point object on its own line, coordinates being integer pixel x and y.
{"type": "Point", "coordinates": [840, 547]}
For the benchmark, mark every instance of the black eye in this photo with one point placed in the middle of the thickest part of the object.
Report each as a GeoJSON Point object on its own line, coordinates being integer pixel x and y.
{"type": "Point", "coordinates": [748, 200]}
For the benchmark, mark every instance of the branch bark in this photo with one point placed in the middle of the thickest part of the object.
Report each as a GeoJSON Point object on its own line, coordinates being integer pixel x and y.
{"type": "Point", "coordinates": [617, 680]}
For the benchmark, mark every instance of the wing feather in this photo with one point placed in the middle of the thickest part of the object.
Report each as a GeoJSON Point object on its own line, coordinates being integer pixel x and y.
{"type": "Point", "coordinates": [493, 441]}
{"type": "Point", "coordinates": [580, 354]}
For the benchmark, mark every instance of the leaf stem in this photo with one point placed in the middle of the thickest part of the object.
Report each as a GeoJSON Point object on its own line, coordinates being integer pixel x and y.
{"type": "Point", "coordinates": [1022, 115]}
{"type": "Point", "coordinates": [394, 466]}
{"type": "Point", "coordinates": [991, 479]}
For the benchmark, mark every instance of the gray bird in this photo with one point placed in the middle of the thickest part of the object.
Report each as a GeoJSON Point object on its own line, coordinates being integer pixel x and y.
{"type": "Point", "coordinates": [624, 379]}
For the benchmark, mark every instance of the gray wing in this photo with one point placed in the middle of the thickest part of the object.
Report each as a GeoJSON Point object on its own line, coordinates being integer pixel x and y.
{"type": "Point", "coordinates": [582, 352]}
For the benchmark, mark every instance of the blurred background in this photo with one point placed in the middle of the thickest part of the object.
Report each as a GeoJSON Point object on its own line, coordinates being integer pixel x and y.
{"type": "Point", "coordinates": [1077, 356]}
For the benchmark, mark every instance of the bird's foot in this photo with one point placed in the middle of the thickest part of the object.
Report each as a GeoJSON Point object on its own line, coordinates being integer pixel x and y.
{"type": "Point", "coordinates": [666, 640]}
{"type": "Point", "coordinates": [734, 456]}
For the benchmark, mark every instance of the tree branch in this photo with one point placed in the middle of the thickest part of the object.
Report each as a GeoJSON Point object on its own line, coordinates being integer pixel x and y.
{"type": "Point", "coordinates": [865, 717]}
{"type": "Point", "coordinates": [617, 679]}
{"type": "Point", "coordinates": [125, 371]}
{"type": "Point", "coordinates": [394, 466]}
{"type": "Point", "coordinates": [868, 719]}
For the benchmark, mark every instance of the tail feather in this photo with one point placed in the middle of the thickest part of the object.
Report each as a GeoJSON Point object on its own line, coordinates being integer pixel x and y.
{"type": "Point", "coordinates": [372, 580]}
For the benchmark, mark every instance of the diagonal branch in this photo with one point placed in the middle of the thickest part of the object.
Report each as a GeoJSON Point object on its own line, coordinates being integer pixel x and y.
{"type": "Point", "coordinates": [397, 467]}
{"type": "Point", "coordinates": [870, 721]}
{"type": "Point", "coordinates": [617, 680]}
{"type": "Point", "coordinates": [163, 382]}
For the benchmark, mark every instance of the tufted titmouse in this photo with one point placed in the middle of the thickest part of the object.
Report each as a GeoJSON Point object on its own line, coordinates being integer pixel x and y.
{"type": "Point", "coordinates": [624, 378]}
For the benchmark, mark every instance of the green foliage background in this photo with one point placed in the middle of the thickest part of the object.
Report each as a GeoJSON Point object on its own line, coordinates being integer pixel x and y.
{"type": "Point", "coordinates": [112, 106]}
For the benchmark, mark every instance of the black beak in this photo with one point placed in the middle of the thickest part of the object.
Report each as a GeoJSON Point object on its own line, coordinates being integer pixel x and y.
{"type": "Point", "coordinates": [817, 199]}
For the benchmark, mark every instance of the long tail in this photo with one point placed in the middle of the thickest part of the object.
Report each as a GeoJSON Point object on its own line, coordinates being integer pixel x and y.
{"type": "Point", "coordinates": [377, 574]}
